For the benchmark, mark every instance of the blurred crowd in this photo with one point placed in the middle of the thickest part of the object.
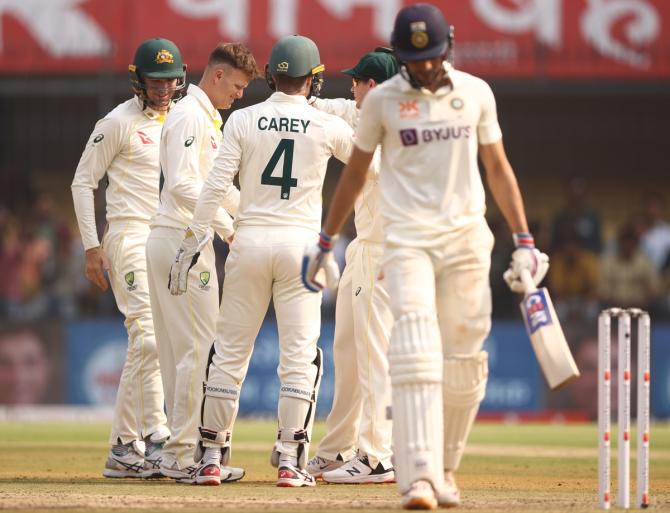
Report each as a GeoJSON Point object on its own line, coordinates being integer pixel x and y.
{"type": "Point", "coordinates": [42, 262]}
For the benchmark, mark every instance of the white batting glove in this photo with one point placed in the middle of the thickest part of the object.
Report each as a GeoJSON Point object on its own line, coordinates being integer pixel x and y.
{"type": "Point", "coordinates": [186, 257]}
{"type": "Point", "coordinates": [318, 261]}
{"type": "Point", "coordinates": [525, 257]}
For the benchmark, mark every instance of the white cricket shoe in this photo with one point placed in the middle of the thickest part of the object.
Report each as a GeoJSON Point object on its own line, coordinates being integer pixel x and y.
{"type": "Point", "coordinates": [125, 460]}
{"type": "Point", "coordinates": [420, 495]}
{"type": "Point", "coordinates": [153, 455]}
{"type": "Point", "coordinates": [359, 471]}
{"type": "Point", "coordinates": [450, 495]}
{"type": "Point", "coordinates": [292, 476]}
{"type": "Point", "coordinates": [318, 465]}
{"type": "Point", "coordinates": [180, 475]}
{"type": "Point", "coordinates": [213, 474]}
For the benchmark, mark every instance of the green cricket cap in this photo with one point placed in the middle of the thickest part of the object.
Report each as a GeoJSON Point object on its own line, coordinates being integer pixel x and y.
{"type": "Point", "coordinates": [379, 65]}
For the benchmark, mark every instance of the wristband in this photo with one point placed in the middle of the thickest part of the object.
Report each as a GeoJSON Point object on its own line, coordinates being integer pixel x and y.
{"type": "Point", "coordinates": [523, 240]}
{"type": "Point", "coordinates": [326, 242]}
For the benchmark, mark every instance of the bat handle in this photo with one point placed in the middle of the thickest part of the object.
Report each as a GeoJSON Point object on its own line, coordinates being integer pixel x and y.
{"type": "Point", "coordinates": [527, 281]}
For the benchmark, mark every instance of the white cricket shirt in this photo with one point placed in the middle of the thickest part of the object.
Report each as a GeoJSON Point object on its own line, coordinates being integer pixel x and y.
{"type": "Point", "coordinates": [280, 147]}
{"type": "Point", "coordinates": [429, 180]}
{"type": "Point", "coordinates": [367, 217]}
{"type": "Point", "coordinates": [189, 143]}
{"type": "Point", "coordinates": [124, 145]}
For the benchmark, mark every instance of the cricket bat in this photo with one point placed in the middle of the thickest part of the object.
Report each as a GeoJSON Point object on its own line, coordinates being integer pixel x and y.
{"type": "Point", "coordinates": [546, 336]}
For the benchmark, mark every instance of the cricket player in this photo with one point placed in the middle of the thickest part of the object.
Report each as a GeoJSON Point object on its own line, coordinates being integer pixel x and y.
{"type": "Point", "coordinates": [357, 429]}
{"type": "Point", "coordinates": [124, 146]}
{"type": "Point", "coordinates": [185, 326]}
{"type": "Point", "coordinates": [432, 122]}
{"type": "Point", "coordinates": [280, 148]}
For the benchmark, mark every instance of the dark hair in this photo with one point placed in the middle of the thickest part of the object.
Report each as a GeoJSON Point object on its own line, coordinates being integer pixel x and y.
{"type": "Point", "coordinates": [236, 55]}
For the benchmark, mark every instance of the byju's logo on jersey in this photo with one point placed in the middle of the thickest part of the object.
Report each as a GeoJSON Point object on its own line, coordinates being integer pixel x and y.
{"type": "Point", "coordinates": [204, 280]}
{"type": "Point", "coordinates": [409, 109]}
{"type": "Point", "coordinates": [409, 137]}
{"type": "Point", "coordinates": [536, 311]}
{"type": "Point", "coordinates": [130, 281]}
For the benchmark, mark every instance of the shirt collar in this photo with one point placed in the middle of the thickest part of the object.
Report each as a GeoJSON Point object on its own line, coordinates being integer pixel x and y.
{"type": "Point", "coordinates": [148, 111]}
{"type": "Point", "coordinates": [287, 98]}
{"type": "Point", "coordinates": [203, 99]}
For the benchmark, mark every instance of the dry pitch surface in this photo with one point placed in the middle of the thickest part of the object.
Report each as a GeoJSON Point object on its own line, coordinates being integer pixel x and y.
{"type": "Point", "coordinates": [508, 468]}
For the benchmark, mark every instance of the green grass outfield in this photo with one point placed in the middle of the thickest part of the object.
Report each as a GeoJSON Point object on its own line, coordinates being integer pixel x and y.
{"type": "Point", "coordinates": [508, 468]}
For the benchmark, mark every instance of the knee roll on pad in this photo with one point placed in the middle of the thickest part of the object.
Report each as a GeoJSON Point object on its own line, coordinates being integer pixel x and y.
{"type": "Point", "coordinates": [415, 353]}
{"type": "Point", "coordinates": [221, 390]}
{"type": "Point", "coordinates": [465, 378]}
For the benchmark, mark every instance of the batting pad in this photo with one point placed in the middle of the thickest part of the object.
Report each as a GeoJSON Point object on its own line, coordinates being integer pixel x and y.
{"type": "Point", "coordinates": [219, 410]}
{"type": "Point", "coordinates": [465, 379]}
{"type": "Point", "coordinates": [415, 366]}
{"type": "Point", "coordinates": [296, 412]}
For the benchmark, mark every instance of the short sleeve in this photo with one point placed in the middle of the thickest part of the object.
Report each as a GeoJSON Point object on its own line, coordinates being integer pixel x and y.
{"type": "Point", "coordinates": [488, 129]}
{"type": "Point", "coordinates": [370, 130]}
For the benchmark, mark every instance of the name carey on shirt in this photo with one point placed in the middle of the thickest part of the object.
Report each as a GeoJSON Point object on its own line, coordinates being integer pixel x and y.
{"type": "Point", "coordinates": [412, 136]}
{"type": "Point", "coordinates": [294, 125]}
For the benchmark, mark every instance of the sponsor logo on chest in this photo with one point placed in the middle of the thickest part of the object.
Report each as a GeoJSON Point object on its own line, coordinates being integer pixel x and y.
{"type": "Point", "coordinates": [144, 138]}
{"type": "Point", "coordinates": [414, 136]}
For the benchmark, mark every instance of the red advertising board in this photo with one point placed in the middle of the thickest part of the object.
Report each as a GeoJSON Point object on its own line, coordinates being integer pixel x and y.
{"type": "Point", "coordinates": [557, 39]}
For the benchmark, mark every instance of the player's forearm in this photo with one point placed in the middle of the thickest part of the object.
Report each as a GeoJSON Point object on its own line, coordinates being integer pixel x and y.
{"type": "Point", "coordinates": [507, 195]}
{"type": "Point", "coordinates": [205, 210]}
{"type": "Point", "coordinates": [84, 208]}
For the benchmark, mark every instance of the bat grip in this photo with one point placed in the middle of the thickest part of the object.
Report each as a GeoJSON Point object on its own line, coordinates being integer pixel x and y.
{"type": "Point", "coordinates": [527, 281]}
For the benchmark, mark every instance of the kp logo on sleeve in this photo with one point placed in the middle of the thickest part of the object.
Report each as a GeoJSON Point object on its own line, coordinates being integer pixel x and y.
{"type": "Point", "coordinates": [536, 311]}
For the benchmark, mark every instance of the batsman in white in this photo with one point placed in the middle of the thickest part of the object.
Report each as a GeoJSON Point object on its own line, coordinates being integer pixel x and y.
{"type": "Point", "coordinates": [185, 326]}
{"type": "Point", "coordinates": [124, 146]}
{"type": "Point", "coordinates": [432, 122]}
{"type": "Point", "coordinates": [357, 429]}
{"type": "Point", "coordinates": [280, 148]}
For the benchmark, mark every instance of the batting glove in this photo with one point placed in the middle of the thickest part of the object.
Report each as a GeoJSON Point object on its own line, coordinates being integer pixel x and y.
{"type": "Point", "coordinates": [187, 256]}
{"type": "Point", "coordinates": [319, 260]}
{"type": "Point", "coordinates": [525, 257]}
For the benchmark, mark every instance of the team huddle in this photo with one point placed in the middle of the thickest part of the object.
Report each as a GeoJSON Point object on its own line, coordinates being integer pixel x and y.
{"type": "Point", "coordinates": [413, 303]}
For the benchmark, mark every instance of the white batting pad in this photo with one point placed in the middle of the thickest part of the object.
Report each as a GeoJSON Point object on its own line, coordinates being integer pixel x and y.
{"type": "Point", "coordinates": [415, 366]}
{"type": "Point", "coordinates": [465, 379]}
{"type": "Point", "coordinates": [219, 410]}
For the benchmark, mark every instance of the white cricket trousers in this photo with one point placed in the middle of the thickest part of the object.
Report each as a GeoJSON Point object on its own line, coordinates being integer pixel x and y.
{"type": "Point", "coordinates": [264, 264]}
{"type": "Point", "coordinates": [139, 401]}
{"type": "Point", "coordinates": [185, 328]}
{"type": "Point", "coordinates": [441, 304]}
{"type": "Point", "coordinates": [363, 322]}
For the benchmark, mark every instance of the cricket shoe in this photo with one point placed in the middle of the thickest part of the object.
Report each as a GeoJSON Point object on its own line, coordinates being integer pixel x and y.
{"type": "Point", "coordinates": [292, 476]}
{"type": "Point", "coordinates": [125, 460]}
{"type": "Point", "coordinates": [359, 471]}
{"type": "Point", "coordinates": [212, 474]}
{"type": "Point", "coordinates": [153, 455]}
{"type": "Point", "coordinates": [450, 495]}
{"type": "Point", "coordinates": [184, 475]}
{"type": "Point", "coordinates": [318, 465]}
{"type": "Point", "coordinates": [420, 495]}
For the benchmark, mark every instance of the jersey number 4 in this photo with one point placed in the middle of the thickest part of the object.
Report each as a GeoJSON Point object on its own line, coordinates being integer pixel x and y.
{"type": "Point", "coordinates": [285, 148]}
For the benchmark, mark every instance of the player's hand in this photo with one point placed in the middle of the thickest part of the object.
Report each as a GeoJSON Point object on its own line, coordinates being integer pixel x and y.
{"type": "Point", "coordinates": [525, 257]}
{"type": "Point", "coordinates": [186, 257]}
{"type": "Point", "coordinates": [318, 260]}
{"type": "Point", "coordinates": [96, 267]}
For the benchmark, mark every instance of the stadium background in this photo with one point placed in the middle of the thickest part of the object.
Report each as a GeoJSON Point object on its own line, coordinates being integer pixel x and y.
{"type": "Point", "coordinates": [583, 90]}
